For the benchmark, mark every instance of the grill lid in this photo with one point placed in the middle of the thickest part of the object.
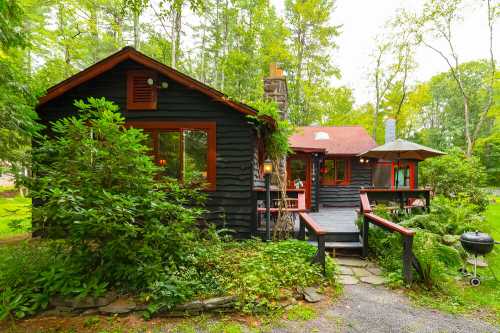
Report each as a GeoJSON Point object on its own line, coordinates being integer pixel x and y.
{"type": "Point", "coordinates": [476, 238]}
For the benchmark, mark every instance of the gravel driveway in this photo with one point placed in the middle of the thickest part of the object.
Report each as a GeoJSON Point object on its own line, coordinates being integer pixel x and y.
{"type": "Point", "coordinates": [366, 308]}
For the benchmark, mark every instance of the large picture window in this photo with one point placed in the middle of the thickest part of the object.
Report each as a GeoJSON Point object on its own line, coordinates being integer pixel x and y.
{"type": "Point", "coordinates": [334, 172]}
{"type": "Point", "coordinates": [185, 151]}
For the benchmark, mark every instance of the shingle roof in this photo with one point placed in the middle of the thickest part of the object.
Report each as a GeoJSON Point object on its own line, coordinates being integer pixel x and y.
{"type": "Point", "coordinates": [335, 140]}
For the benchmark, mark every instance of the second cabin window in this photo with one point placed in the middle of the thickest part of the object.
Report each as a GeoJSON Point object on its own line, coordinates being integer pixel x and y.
{"type": "Point", "coordinates": [141, 90]}
{"type": "Point", "coordinates": [334, 172]}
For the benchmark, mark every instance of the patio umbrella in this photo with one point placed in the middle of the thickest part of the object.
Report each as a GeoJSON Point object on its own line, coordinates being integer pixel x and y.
{"type": "Point", "coordinates": [401, 150]}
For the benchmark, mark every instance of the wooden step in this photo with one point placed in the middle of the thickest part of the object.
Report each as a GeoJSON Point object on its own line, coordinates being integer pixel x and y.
{"type": "Point", "coordinates": [340, 245]}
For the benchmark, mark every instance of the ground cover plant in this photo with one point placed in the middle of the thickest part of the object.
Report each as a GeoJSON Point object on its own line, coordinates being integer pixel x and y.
{"type": "Point", "coordinates": [15, 213]}
{"type": "Point", "coordinates": [110, 222]}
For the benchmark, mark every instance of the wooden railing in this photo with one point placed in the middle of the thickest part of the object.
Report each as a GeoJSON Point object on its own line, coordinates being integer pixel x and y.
{"type": "Point", "coordinates": [307, 222]}
{"type": "Point", "coordinates": [409, 258]}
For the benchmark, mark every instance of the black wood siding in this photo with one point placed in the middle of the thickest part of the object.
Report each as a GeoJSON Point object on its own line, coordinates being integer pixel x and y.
{"type": "Point", "coordinates": [346, 196]}
{"type": "Point", "coordinates": [233, 204]}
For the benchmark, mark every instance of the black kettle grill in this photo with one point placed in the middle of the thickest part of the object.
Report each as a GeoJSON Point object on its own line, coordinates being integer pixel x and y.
{"type": "Point", "coordinates": [477, 243]}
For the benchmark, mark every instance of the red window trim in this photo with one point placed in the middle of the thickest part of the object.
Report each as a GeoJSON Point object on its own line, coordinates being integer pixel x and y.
{"type": "Point", "coordinates": [347, 173]}
{"type": "Point", "coordinates": [394, 164]}
{"type": "Point", "coordinates": [210, 127]}
{"type": "Point", "coordinates": [147, 106]}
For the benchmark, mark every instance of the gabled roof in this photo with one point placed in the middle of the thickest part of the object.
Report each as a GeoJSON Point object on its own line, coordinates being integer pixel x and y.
{"type": "Point", "coordinates": [334, 140]}
{"type": "Point", "coordinates": [129, 53]}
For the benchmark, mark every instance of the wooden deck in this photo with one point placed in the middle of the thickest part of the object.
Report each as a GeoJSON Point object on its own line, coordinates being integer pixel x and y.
{"type": "Point", "coordinates": [336, 220]}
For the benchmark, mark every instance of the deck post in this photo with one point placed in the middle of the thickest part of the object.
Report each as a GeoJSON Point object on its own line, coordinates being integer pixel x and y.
{"type": "Point", "coordinates": [321, 252]}
{"type": "Point", "coordinates": [366, 228]}
{"type": "Point", "coordinates": [268, 207]}
{"type": "Point", "coordinates": [407, 258]}
{"type": "Point", "coordinates": [302, 229]}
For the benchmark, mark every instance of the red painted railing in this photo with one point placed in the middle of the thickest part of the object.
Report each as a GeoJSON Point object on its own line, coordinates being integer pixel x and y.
{"type": "Point", "coordinates": [369, 217]}
{"type": "Point", "coordinates": [307, 222]}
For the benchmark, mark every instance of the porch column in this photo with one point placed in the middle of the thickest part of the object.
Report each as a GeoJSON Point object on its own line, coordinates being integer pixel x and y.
{"type": "Point", "coordinates": [316, 162]}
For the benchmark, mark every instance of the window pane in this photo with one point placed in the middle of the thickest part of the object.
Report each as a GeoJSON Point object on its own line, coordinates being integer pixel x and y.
{"type": "Point", "coordinates": [169, 153]}
{"type": "Point", "coordinates": [340, 170]}
{"type": "Point", "coordinates": [328, 172]}
{"type": "Point", "coordinates": [298, 172]}
{"type": "Point", "coordinates": [149, 142]}
{"type": "Point", "coordinates": [195, 155]}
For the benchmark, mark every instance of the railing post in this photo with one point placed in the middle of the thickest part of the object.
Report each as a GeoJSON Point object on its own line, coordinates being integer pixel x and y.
{"type": "Point", "coordinates": [407, 258]}
{"type": "Point", "coordinates": [366, 228]}
{"type": "Point", "coordinates": [302, 229]}
{"type": "Point", "coordinates": [321, 252]}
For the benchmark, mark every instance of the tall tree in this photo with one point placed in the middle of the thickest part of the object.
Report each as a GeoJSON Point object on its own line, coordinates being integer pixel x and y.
{"type": "Point", "coordinates": [438, 21]}
{"type": "Point", "coordinates": [311, 43]}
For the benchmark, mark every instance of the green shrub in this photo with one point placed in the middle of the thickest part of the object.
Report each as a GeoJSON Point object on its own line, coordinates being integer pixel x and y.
{"type": "Point", "coordinates": [258, 273]}
{"type": "Point", "coordinates": [100, 191]}
{"type": "Point", "coordinates": [455, 176]}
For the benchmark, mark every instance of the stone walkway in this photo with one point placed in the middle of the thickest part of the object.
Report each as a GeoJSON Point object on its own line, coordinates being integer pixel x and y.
{"type": "Point", "coordinates": [354, 270]}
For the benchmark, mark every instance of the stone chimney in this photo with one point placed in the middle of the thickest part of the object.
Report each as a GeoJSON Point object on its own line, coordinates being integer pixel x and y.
{"type": "Point", "coordinates": [390, 130]}
{"type": "Point", "coordinates": [275, 88]}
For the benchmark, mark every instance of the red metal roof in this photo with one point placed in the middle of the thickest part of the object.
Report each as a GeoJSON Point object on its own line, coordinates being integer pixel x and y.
{"type": "Point", "coordinates": [338, 140]}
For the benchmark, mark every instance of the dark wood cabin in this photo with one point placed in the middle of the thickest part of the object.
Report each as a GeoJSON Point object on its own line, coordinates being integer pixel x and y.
{"type": "Point", "coordinates": [326, 164]}
{"type": "Point", "coordinates": [185, 118]}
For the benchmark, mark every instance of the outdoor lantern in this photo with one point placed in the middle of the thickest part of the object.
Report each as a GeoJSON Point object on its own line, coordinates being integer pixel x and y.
{"type": "Point", "coordinates": [268, 167]}
{"type": "Point", "coordinates": [361, 160]}
{"type": "Point", "coordinates": [150, 81]}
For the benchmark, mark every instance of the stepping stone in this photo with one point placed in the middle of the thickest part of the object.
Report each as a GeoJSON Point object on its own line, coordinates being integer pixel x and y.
{"type": "Point", "coordinates": [360, 272]}
{"type": "Point", "coordinates": [374, 270]}
{"type": "Point", "coordinates": [372, 279]}
{"type": "Point", "coordinates": [351, 262]}
{"type": "Point", "coordinates": [348, 279]}
{"type": "Point", "coordinates": [345, 270]}
{"type": "Point", "coordinates": [311, 295]}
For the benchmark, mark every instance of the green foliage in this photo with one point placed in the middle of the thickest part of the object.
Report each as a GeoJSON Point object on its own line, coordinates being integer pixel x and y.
{"type": "Point", "coordinates": [455, 177]}
{"type": "Point", "coordinates": [276, 139]}
{"type": "Point", "coordinates": [448, 217]}
{"type": "Point", "coordinates": [99, 191]}
{"type": "Point", "coordinates": [15, 215]}
{"type": "Point", "coordinates": [435, 244]}
{"type": "Point", "coordinates": [258, 273]}
{"type": "Point", "coordinates": [301, 312]}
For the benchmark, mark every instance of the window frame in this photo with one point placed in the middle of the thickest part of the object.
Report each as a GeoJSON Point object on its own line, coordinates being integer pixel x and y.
{"type": "Point", "coordinates": [336, 181]}
{"type": "Point", "coordinates": [209, 127]}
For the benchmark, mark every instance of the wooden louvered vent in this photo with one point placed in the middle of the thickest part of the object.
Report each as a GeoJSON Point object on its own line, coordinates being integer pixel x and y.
{"type": "Point", "coordinates": [141, 95]}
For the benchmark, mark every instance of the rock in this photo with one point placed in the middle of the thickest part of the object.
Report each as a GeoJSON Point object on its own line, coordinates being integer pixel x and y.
{"type": "Point", "coordinates": [450, 239]}
{"type": "Point", "coordinates": [89, 312]}
{"type": "Point", "coordinates": [374, 270]}
{"type": "Point", "coordinates": [345, 270]}
{"type": "Point", "coordinates": [351, 262]}
{"type": "Point", "coordinates": [219, 302]}
{"type": "Point", "coordinates": [81, 303]}
{"type": "Point", "coordinates": [359, 272]}
{"type": "Point", "coordinates": [480, 261]}
{"type": "Point", "coordinates": [311, 295]}
{"type": "Point", "coordinates": [348, 279]}
{"type": "Point", "coordinates": [372, 279]}
{"type": "Point", "coordinates": [119, 306]}
{"type": "Point", "coordinates": [190, 306]}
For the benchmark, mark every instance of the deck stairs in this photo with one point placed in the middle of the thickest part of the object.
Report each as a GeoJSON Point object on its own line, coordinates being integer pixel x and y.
{"type": "Point", "coordinates": [342, 232]}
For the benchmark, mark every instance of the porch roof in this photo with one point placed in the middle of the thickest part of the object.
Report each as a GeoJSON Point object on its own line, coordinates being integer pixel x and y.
{"type": "Point", "coordinates": [333, 140]}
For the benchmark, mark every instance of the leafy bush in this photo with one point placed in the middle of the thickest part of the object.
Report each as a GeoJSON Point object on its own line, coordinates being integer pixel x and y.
{"type": "Point", "coordinates": [448, 217]}
{"type": "Point", "coordinates": [100, 191]}
{"type": "Point", "coordinates": [32, 272]}
{"type": "Point", "coordinates": [258, 273]}
{"type": "Point", "coordinates": [456, 176]}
